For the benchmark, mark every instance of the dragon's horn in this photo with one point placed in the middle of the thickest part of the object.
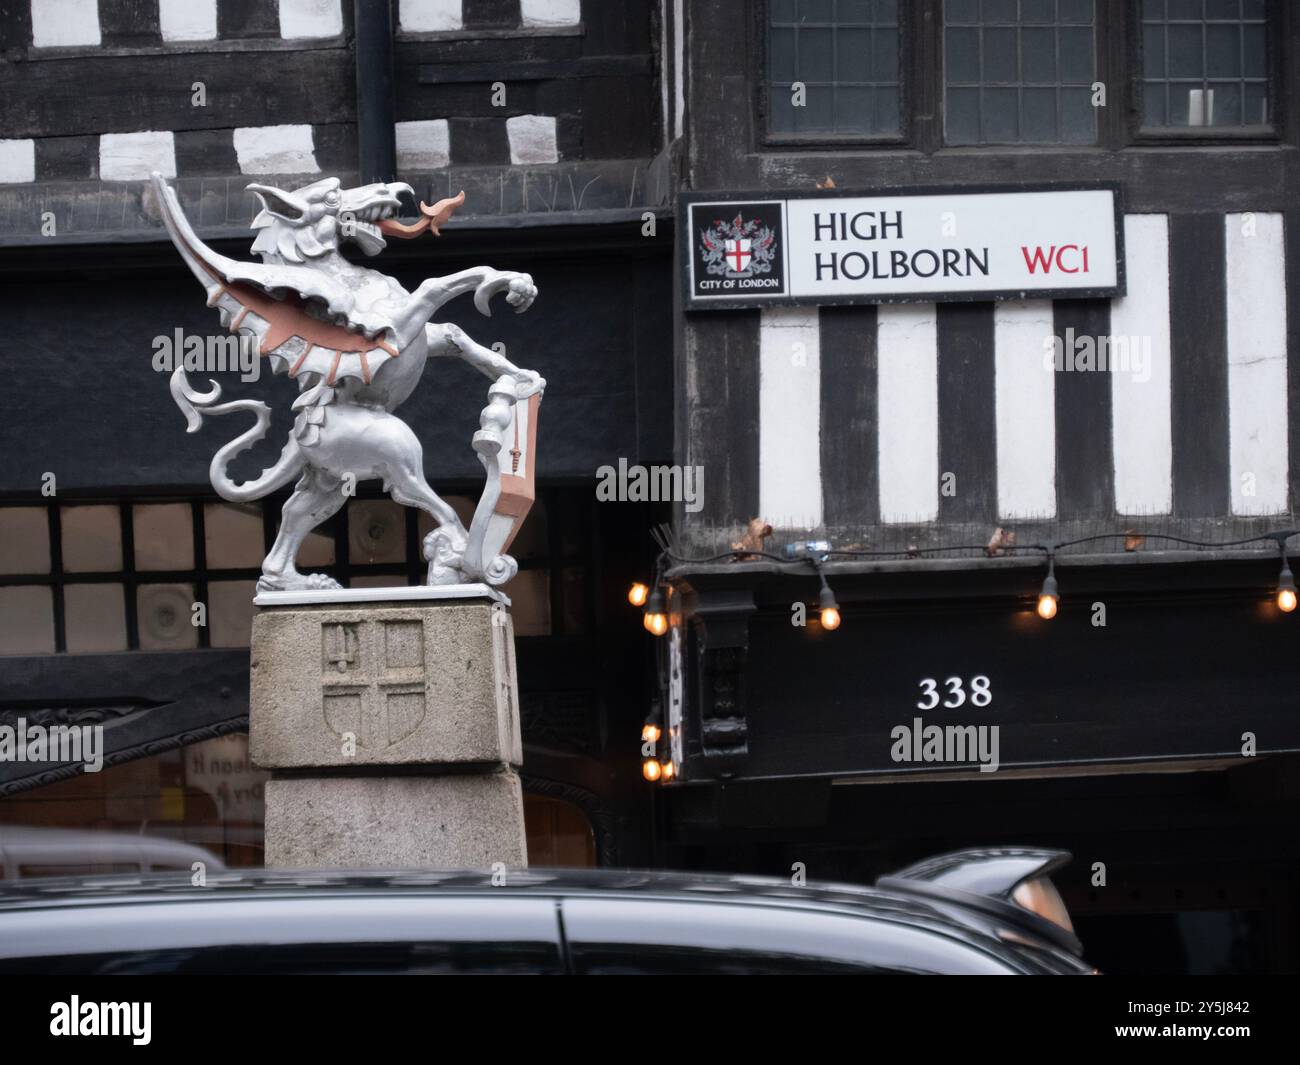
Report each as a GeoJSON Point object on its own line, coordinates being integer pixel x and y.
{"type": "Point", "coordinates": [277, 201]}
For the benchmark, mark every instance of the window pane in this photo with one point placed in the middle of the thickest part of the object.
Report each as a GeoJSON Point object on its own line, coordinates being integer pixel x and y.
{"type": "Point", "coordinates": [1000, 11]}
{"type": "Point", "coordinates": [1257, 106]}
{"type": "Point", "coordinates": [1038, 56]}
{"type": "Point", "coordinates": [1225, 103]}
{"type": "Point", "coordinates": [1040, 115]}
{"type": "Point", "coordinates": [376, 532]}
{"type": "Point", "coordinates": [963, 55]}
{"type": "Point", "coordinates": [853, 55]}
{"type": "Point", "coordinates": [1007, 47]}
{"type": "Point", "coordinates": [781, 55]}
{"type": "Point", "coordinates": [1226, 9]}
{"type": "Point", "coordinates": [1000, 58]}
{"type": "Point", "coordinates": [1153, 51]}
{"type": "Point", "coordinates": [963, 117]}
{"type": "Point", "coordinates": [1153, 104]}
{"type": "Point", "coordinates": [95, 617]}
{"type": "Point", "coordinates": [316, 550]}
{"type": "Point", "coordinates": [164, 536]}
{"type": "Point", "coordinates": [845, 54]}
{"type": "Point", "coordinates": [26, 620]}
{"type": "Point", "coordinates": [1001, 124]}
{"type": "Point", "coordinates": [884, 56]}
{"type": "Point", "coordinates": [230, 613]}
{"type": "Point", "coordinates": [232, 535]}
{"type": "Point", "coordinates": [24, 540]}
{"type": "Point", "coordinates": [92, 539]}
{"type": "Point", "coordinates": [1223, 51]}
{"type": "Point", "coordinates": [165, 613]}
{"type": "Point", "coordinates": [852, 107]}
{"type": "Point", "coordinates": [962, 12]}
{"type": "Point", "coordinates": [1078, 117]}
{"type": "Point", "coordinates": [1077, 64]}
{"type": "Point", "coordinates": [1209, 61]}
{"type": "Point", "coordinates": [815, 51]}
{"type": "Point", "coordinates": [1255, 51]}
{"type": "Point", "coordinates": [1037, 12]}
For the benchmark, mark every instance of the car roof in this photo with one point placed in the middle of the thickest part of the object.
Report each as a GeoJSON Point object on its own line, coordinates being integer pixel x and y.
{"type": "Point", "coordinates": [116, 888]}
{"type": "Point", "coordinates": [944, 917]}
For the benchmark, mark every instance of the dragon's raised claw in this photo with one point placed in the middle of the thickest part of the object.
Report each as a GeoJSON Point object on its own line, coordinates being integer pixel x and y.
{"type": "Point", "coordinates": [519, 289]}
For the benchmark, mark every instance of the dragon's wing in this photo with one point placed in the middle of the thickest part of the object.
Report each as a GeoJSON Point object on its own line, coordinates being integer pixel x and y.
{"type": "Point", "coordinates": [294, 340]}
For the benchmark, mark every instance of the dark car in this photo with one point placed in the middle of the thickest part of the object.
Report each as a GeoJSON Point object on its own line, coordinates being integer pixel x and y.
{"type": "Point", "coordinates": [985, 911]}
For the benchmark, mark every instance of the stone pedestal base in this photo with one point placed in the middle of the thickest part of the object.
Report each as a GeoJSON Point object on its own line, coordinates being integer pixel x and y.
{"type": "Point", "coordinates": [444, 822]}
{"type": "Point", "coordinates": [390, 730]}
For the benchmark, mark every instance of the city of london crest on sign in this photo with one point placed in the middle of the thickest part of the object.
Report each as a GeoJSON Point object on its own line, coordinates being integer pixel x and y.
{"type": "Point", "coordinates": [738, 253]}
{"type": "Point", "coordinates": [738, 248]}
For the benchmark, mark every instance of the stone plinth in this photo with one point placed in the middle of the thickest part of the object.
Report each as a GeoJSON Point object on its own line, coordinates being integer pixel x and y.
{"type": "Point", "coordinates": [445, 822]}
{"type": "Point", "coordinates": [391, 730]}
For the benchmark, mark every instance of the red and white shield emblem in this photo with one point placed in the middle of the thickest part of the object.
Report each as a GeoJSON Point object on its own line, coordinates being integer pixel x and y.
{"type": "Point", "coordinates": [738, 254]}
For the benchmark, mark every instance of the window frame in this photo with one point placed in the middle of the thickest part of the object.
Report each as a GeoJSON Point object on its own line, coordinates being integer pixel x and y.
{"type": "Point", "coordinates": [1141, 134]}
{"type": "Point", "coordinates": [907, 69]}
{"type": "Point", "coordinates": [1117, 28]}
{"type": "Point", "coordinates": [1101, 66]}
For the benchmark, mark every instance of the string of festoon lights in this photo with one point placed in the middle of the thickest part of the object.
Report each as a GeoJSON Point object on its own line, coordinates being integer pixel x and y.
{"type": "Point", "coordinates": [653, 598]}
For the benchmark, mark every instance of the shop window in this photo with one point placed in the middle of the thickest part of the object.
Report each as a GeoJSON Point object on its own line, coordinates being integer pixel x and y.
{"type": "Point", "coordinates": [1205, 63]}
{"type": "Point", "coordinates": [103, 577]}
{"type": "Point", "coordinates": [1019, 72]}
{"type": "Point", "coordinates": [845, 55]}
{"type": "Point", "coordinates": [203, 802]}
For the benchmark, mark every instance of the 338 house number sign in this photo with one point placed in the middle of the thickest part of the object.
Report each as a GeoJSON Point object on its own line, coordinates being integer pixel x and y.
{"type": "Point", "coordinates": [924, 246]}
{"type": "Point", "coordinates": [954, 692]}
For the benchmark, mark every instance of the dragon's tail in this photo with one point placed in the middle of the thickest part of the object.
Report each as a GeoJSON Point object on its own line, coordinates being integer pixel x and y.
{"type": "Point", "coordinates": [197, 405]}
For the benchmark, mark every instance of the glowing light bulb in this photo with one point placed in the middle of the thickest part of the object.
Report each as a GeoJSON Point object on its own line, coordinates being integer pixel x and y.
{"type": "Point", "coordinates": [638, 593]}
{"type": "Point", "coordinates": [666, 770]}
{"type": "Point", "coordinates": [650, 733]}
{"type": "Point", "coordinates": [1286, 600]}
{"type": "Point", "coordinates": [830, 618]}
{"type": "Point", "coordinates": [656, 624]}
{"type": "Point", "coordinates": [1047, 607]}
{"type": "Point", "coordinates": [651, 770]}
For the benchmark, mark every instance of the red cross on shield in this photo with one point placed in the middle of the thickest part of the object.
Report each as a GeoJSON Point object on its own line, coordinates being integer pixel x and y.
{"type": "Point", "coordinates": [738, 255]}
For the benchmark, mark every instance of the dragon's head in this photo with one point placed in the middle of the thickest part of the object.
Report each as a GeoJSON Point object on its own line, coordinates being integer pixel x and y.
{"type": "Point", "coordinates": [314, 220]}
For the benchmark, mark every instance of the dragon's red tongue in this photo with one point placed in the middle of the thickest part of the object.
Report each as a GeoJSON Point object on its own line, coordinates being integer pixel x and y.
{"type": "Point", "coordinates": [433, 217]}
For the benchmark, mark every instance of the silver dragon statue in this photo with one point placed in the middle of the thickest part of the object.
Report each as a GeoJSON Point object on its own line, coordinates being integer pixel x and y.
{"type": "Point", "coordinates": [356, 342]}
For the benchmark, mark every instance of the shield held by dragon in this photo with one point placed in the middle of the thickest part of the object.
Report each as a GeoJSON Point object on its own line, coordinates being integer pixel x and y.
{"type": "Point", "coordinates": [357, 342]}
